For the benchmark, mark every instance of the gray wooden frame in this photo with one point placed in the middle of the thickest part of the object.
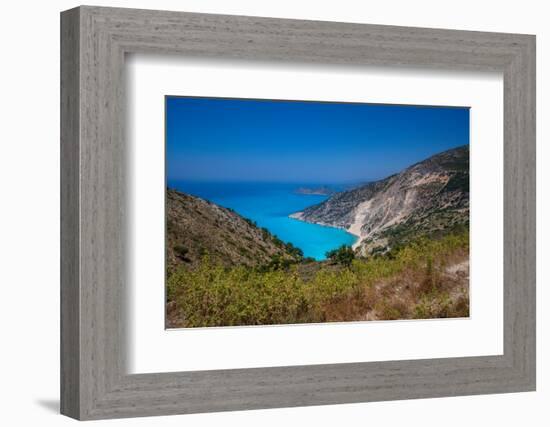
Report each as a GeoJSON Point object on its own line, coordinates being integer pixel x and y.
{"type": "Point", "coordinates": [94, 382]}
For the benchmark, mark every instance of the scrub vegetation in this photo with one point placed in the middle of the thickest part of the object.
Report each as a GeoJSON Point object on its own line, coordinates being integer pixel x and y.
{"type": "Point", "coordinates": [428, 278]}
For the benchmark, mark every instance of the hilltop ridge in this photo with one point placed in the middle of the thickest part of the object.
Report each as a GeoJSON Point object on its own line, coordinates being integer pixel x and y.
{"type": "Point", "coordinates": [196, 228]}
{"type": "Point", "coordinates": [428, 198]}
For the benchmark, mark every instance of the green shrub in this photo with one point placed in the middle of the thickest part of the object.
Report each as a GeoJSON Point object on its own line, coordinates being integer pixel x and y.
{"type": "Point", "coordinates": [344, 255]}
{"type": "Point", "coordinates": [293, 251]}
{"type": "Point", "coordinates": [213, 295]}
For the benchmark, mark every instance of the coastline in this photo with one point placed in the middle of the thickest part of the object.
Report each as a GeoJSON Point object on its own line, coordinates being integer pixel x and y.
{"type": "Point", "coordinates": [298, 216]}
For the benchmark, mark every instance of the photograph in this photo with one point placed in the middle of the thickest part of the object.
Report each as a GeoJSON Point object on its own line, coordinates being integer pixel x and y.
{"type": "Point", "coordinates": [292, 212]}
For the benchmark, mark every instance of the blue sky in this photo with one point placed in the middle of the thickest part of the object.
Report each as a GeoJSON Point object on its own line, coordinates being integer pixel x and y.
{"type": "Point", "coordinates": [211, 139]}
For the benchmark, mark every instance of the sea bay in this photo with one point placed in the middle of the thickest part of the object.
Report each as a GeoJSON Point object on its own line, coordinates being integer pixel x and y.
{"type": "Point", "coordinates": [269, 205]}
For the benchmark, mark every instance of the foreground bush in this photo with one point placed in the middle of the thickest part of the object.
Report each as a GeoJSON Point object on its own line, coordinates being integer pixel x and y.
{"type": "Point", "coordinates": [344, 255]}
{"type": "Point", "coordinates": [411, 283]}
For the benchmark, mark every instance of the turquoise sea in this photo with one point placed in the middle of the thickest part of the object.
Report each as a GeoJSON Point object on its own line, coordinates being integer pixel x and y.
{"type": "Point", "coordinates": [269, 204]}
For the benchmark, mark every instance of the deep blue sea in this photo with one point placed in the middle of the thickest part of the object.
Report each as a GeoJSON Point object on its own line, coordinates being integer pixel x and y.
{"type": "Point", "coordinates": [269, 204]}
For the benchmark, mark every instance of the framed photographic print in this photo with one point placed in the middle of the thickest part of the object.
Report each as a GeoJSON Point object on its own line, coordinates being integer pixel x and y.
{"type": "Point", "coordinates": [315, 212]}
{"type": "Point", "coordinates": [262, 213]}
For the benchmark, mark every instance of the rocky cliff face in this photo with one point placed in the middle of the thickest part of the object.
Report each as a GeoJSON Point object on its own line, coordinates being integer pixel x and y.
{"type": "Point", "coordinates": [196, 227]}
{"type": "Point", "coordinates": [428, 198]}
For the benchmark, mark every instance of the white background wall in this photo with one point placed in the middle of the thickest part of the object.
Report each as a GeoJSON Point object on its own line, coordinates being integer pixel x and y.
{"type": "Point", "coordinates": [29, 213]}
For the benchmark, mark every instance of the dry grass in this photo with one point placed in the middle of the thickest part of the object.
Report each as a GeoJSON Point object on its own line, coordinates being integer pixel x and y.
{"type": "Point", "coordinates": [429, 279]}
{"type": "Point", "coordinates": [432, 292]}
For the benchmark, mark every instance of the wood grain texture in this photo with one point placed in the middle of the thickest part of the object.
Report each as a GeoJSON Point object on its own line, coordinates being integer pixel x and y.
{"type": "Point", "coordinates": [94, 232]}
{"type": "Point", "coordinates": [70, 296]}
